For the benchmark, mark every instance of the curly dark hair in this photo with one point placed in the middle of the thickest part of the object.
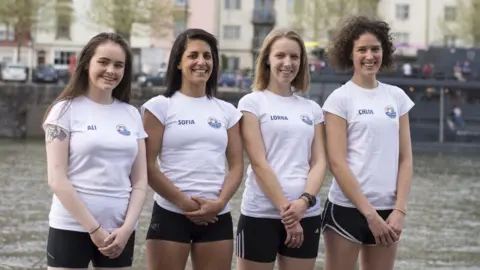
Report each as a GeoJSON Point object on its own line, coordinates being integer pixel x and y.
{"type": "Point", "coordinates": [339, 54]}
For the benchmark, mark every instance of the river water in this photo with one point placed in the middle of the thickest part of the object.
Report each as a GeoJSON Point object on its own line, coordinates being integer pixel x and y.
{"type": "Point", "coordinates": [442, 228]}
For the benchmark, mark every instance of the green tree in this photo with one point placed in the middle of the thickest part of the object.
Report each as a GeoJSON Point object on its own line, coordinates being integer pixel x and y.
{"type": "Point", "coordinates": [133, 17]}
{"type": "Point", "coordinates": [464, 22]}
{"type": "Point", "coordinates": [321, 17]}
{"type": "Point", "coordinates": [26, 16]}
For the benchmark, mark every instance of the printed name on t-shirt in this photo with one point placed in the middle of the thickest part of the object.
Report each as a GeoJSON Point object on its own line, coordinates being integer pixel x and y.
{"type": "Point", "coordinates": [278, 117]}
{"type": "Point", "coordinates": [186, 122]}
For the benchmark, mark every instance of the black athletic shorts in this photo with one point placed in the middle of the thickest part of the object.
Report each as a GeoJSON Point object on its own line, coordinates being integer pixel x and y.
{"type": "Point", "coordinates": [350, 223]}
{"type": "Point", "coordinates": [171, 226]}
{"type": "Point", "coordinates": [71, 249]}
{"type": "Point", "coordinates": [261, 239]}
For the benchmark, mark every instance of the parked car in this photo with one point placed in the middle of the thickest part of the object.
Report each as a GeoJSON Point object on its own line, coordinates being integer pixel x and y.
{"type": "Point", "coordinates": [152, 80]}
{"type": "Point", "coordinates": [45, 73]}
{"type": "Point", "coordinates": [14, 72]}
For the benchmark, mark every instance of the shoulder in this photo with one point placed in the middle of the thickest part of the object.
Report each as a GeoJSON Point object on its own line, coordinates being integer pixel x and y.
{"type": "Point", "coordinates": [224, 105]}
{"type": "Point", "coordinates": [252, 97]}
{"type": "Point", "coordinates": [339, 94]}
{"type": "Point", "coordinates": [157, 101]}
{"type": "Point", "coordinates": [127, 107]}
{"type": "Point", "coordinates": [391, 89]}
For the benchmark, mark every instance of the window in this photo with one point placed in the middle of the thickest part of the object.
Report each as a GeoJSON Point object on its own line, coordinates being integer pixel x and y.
{"type": "Point", "coordinates": [450, 13]}
{"type": "Point", "coordinates": [62, 57]}
{"type": "Point", "coordinates": [231, 32]}
{"type": "Point", "coordinates": [450, 41]}
{"type": "Point", "coordinates": [402, 11]}
{"type": "Point", "coordinates": [403, 38]}
{"type": "Point", "coordinates": [233, 63]}
{"type": "Point", "coordinates": [264, 4]}
{"type": "Point", "coordinates": [63, 11]}
{"type": "Point", "coordinates": [233, 4]}
{"type": "Point", "coordinates": [178, 27]}
{"type": "Point", "coordinates": [7, 33]}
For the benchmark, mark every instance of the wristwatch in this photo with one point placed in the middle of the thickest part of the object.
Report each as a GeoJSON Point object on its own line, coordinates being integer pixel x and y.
{"type": "Point", "coordinates": [312, 200]}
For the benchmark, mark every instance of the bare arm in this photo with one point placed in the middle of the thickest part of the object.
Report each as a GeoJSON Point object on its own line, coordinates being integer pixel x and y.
{"type": "Point", "coordinates": [266, 178]}
{"type": "Point", "coordinates": [337, 155]}
{"type": "Point", "coordinates": [57, 146]}
{"type": "Point", "coordinates": [405, 168]}
{"type": "Point", "coordinates": [156, 179]}
{"type": "Point", "coordinates": [318, 163]}
{"type": "Point", "coordinates": [235, 164]}
{"type": "Point", "coordinates": [139, 181]}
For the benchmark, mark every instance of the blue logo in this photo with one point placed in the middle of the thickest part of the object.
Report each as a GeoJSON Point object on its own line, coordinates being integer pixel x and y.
{"type": "Point", "coordinates": [390, 112]}
{"type": "Point", "coordinates": [123, 130]}
{"type": "Point", "coordinates": [306, 119]}
{"type": "Point", "coordinates": [213, 122]}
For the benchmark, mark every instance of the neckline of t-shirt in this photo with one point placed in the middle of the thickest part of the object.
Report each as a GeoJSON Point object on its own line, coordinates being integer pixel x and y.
{"type": "Point", "coordinates": [279, 96]}
{"type": "Point", "coordinates": [368, 90]}
{"type": "Point", "coordinates": [100, 104]}
{"type": "Point", "coordinates": [182, 95]}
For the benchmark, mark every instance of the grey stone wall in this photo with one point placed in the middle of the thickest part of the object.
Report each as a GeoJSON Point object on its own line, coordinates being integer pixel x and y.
{"type": "Point", "coordinates": [22, 106]}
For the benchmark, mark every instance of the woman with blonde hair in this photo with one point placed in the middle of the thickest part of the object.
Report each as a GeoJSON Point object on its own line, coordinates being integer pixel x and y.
{"type": "Point", "coordinates": [283, 137]}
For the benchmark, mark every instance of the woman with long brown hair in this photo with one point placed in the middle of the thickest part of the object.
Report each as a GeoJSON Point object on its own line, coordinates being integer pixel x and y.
{"type": "Point", "coordinates": [95, 161]}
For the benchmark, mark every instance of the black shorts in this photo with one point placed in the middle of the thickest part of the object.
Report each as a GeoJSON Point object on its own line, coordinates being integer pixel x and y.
{"type": "Point", "coordinates": [171, 226]}
{"type": "Point", "coordinates": [261, 239]}
{"type": "Point", "coordinates": [70, 249]}
{"type": "Point", "coordinates": [349, 223]}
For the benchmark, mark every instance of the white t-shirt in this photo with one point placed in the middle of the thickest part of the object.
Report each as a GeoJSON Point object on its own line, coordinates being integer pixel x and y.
{"type": "Point", "coordinates": [103, 148]}
{"type": "Point", "coordinates": [372, 117]}
{"type": "Point", "coordinates": [193, 154]}
{"type": "Point", "coordinates": [287, 128]}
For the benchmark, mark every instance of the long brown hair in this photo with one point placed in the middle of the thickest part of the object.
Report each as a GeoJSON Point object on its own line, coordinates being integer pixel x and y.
{"type": "Point", "coordinates": [78, 83]}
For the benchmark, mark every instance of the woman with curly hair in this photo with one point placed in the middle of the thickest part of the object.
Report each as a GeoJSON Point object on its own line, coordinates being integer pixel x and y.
{"type": "Point", "coordinates": [369, 150]}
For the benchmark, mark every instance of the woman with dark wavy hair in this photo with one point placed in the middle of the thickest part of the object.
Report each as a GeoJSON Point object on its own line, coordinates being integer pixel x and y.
{"type": "Point", "coordinates": [369, 150]}
{"type": "Point", "coordinates": [95, 161]}
{"type": "Point", "coordinates": [193, 135]}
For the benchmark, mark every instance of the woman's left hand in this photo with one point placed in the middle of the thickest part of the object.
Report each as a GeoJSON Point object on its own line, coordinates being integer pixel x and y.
{"type": "Point", "coordinates": [395, 221]}
{"type": "Point", "coordinates": [209, 209]}
{"type": "Point", "coordinates": [294, 212]}
{"type": "Point", "coordinates": [117, 239]}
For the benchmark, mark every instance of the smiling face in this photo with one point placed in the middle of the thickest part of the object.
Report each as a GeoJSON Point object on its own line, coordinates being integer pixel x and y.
{"type": "Point", "coordinates": [107, 66]}
{"type": "Point", "coordinates": [367, 55]}
{"type": "Point", "coordinates": [197, 62]}
{"type": "Point", "coordinates": [284, 60]}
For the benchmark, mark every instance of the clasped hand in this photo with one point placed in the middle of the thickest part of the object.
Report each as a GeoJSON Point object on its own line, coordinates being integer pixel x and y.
{"type": "Point", "coordinates": [111, 244]}
{"type": "Point", "coordinates": [293, 212]}
{"type": "Point", "coordinates": [202, 211]}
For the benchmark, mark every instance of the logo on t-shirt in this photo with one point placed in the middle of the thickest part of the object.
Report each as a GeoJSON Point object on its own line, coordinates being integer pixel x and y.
{"type": "Point", "coordinates": [306, 119]}
{"type": "Point", "coordinates": [365, 111]}
{"type": "Point", "coordinates": [390, 112]}
{"type": "Point", "coordinates": [122, 129]}
{"type": "Point", "coordinates": [213, 122]}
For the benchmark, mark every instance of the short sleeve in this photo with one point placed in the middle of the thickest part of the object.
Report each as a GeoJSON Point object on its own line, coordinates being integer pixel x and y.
{"type": "Point", "coordinates": [318, 116]}
{"type": "Point", "coordinates": [59, 115]}
{"type": "Point", "coordinates": [335, 104]}
{"type": "Point", "coordinates": [157, 106]}
{"type": "Point", "coordinates": [233, 116]}
{"type": "Point", "coordinates": [248, 103]}
{"type": "Point", "coordinates": [405, 104]}
{"type": "Point", "coordinates": [141, 134]}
